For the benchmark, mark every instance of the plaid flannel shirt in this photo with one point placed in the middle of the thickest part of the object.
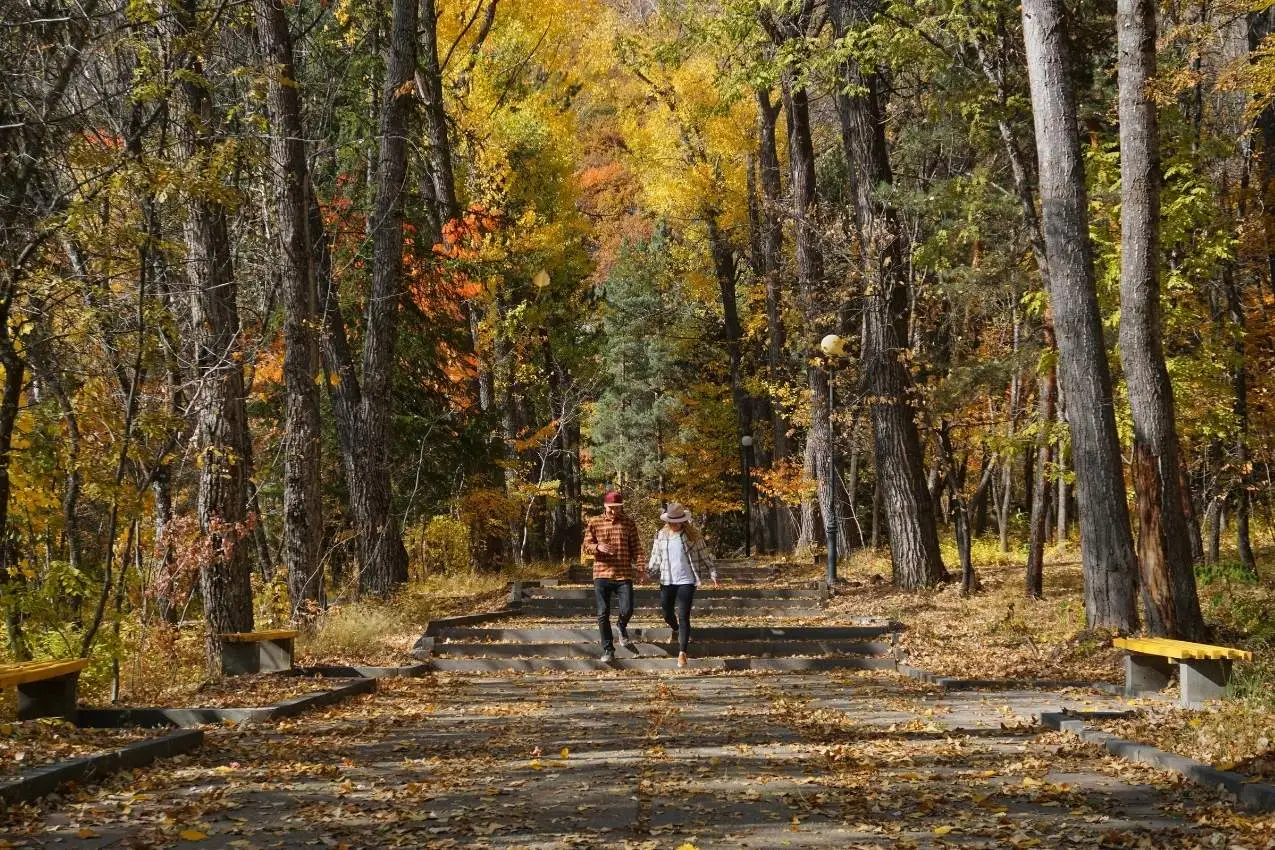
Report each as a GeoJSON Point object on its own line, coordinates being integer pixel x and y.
{"type": "Point", "coordinates": [621, 536]}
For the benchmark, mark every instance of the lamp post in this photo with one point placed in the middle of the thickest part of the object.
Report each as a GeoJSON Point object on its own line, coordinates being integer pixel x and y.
{"type": "Point", "coordinates": [832, 347]}
{"type": "Point", "coordinates": [746, 455]}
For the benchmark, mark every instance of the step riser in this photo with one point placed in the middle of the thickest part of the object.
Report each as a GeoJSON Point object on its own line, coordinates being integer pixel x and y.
{"type": "Point", "coordinates": [652, 595]}
{"type": "Point", "coordinates": [586, 606]}
{"type": "Point", "coordinates": [771, 649]}
{"type": "Point", "coordinates": [534, 665]}
{"type": "Point", "coordinates": [659, 634]}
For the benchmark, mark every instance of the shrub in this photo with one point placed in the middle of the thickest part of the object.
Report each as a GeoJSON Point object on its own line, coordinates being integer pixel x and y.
{"type": "Point", "coordinates": [445, 547]}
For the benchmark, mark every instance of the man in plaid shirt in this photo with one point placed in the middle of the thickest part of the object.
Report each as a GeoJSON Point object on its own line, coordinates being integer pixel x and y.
{"type": "Point", "coordinates": [612, 540]}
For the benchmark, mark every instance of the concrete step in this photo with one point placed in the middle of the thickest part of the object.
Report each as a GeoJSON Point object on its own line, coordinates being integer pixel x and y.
{"type": "Point", "coordinates": [751, 607]}
{"type": "Point", "coordinates": [660, 634]}
{"type": "Point", "coordinates": [753, 649]}
{"type": "Point", "coordinates": [652, 594]}
{"type": "Point", "coordinates": [533, 665]}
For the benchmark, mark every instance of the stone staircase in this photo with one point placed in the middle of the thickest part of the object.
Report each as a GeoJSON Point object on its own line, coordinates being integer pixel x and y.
{"type": "Point", "coordinates": [729, 571]}
{"type": "Point", "coordinates": [534, 600]}
{"type": "Point", "coordinates": [552, 626]}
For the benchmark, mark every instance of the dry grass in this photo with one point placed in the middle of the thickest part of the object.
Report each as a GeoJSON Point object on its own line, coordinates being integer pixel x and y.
{"type": "Point", "coordinates": [377, 632]}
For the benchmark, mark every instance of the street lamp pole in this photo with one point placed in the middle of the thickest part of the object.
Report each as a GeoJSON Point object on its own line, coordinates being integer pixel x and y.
{"type": "Point", "coordinates": [833, 347]}
{"type": "Point", "coordinates": [746, 453]}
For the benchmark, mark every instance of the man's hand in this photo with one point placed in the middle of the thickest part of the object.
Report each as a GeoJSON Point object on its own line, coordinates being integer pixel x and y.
{"type": "Point", "coordinates": [604, 548]}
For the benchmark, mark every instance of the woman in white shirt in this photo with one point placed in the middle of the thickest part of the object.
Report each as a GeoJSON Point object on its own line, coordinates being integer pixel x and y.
{"type": "Point", "coordinates": [678, 557]}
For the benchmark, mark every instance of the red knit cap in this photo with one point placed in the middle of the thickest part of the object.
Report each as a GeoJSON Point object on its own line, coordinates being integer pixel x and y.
{"type": "Point", "coordinates": [613, 498]}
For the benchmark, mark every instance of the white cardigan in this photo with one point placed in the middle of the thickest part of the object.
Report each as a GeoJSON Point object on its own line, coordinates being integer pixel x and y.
{"type": "Point", "coordinates": [697, 556]}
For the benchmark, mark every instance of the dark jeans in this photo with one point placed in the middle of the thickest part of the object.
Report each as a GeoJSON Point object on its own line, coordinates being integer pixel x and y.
{"type": "Point", "coordinates": [679, 596]}
{"type": "Point", "coordinates": [602, 590]}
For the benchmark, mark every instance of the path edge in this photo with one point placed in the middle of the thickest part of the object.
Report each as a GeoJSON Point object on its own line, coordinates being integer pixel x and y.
{"type": "Point", "coordinates": [1258, 796]}
{"type": "Point", "coordinates": [30, 787]}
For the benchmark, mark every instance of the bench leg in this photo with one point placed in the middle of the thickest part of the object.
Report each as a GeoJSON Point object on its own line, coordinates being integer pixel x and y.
{"type": "Point", "coordinates": [48, 698]}
{"type": "Point", "coordinates": [238, 659]}
{"type": "Point", "coordinates": [1145, 674]}
{"type": "Point", "coordinates": [274, 655]}
{"type": "Point", "coordinates": [1204, 680]}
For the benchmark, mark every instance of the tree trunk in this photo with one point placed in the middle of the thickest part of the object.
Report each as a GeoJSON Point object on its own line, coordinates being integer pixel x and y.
{"type": "Point", "coordinates": [1189, 510]}
{"type": "Point", "coordinates": [1239, 387]}
{"type": "Point", "coordinates": [914, 544]}
{"type": "Point", "coordinates": [1046, 392]}
{"type": "Point", "coordinates": [438, 151]}
{"type": "Point", "coordinates": [1106, 542]}
{"type": "Point", "coordinates": [724, 266]}
{"type": "Point", "coordinates": [381, 554]}
{"type": "Point", "coordinates": [810, 276]}
{"type": "Point", "coordinates": [876, 513]}
{"type": "Point", "coordinates": [1164, 545]}
{"type": "Point", "coordinates": [771, 247]}
{"type": "Point", "coordinates": [302, 498]}
{"type": "Point", "coordinates": [221, 423]}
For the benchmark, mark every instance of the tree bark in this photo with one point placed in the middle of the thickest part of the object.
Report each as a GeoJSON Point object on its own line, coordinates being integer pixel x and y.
{"type": "Point", "coordinates": [1164, 545]}
{"type": "Point", "coordinates": [382, 556]}
{"type": "Point", "coordinates": [1106, 542]}
{"type": "Point", "coordinates": [1046, 391]}
{"type": "Point", "coordinates": [441, 204]}
{"type": "Point", "coordinates": [302, 497]}
{"type": "Point", "coordinates": [771, 248]}
{"type": "Point", "coordinates": [1239, 388]}
{"type": "Point", "coordinates": [914, 544]}
{"type": "Point", "coordinates": [221, 424]}
{"type": "Point", "coordinates": [810, 278]}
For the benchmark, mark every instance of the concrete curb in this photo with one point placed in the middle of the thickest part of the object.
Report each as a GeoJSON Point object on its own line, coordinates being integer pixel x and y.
{"type": "Point", "coordinates": [432, 627]}
{"type": "Point", "coordinates": [549, 665]}
{"type": "Point", "coordinates": [656, 634]}
{"type": "Point", "coordinates": [46, 780]}
{"type": "Point", "coordinates": [1258, 796]}
{"type": "Point", "coordinates": [953, 683]}
{"type": "Point", "coordinates": [187, 717]}
{"type": "Point", "coordinates": [331, 671]}
{"type": "Point", "coordinates": [705, 648]}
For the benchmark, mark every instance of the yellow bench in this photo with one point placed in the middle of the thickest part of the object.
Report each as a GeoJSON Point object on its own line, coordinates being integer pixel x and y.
{"type": "Point", "coordinates": [1204, 670]}
{"type": "Point", "coordinates": [257, 652]}
{"type": "Point", "coordinates": [45, 688]}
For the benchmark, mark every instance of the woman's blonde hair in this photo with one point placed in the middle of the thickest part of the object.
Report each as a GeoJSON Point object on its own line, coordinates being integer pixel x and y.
{"type": "Point", "coordinates": [688, 528]}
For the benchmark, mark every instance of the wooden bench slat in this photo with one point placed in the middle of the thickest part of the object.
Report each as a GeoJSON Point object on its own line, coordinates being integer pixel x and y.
{"type": "Point", "coordinates": [36, 671]}
{"type": "Point", "coordinates": [252, 637]}
{"type": "Point", "coordinates": [1181, 649]}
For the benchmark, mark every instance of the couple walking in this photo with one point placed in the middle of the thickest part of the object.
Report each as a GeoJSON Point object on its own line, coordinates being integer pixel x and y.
{"type": "Point", "coordinates": [679, 556]}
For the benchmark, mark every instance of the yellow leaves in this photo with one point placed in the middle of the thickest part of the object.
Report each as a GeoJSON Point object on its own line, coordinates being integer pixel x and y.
{"type": "Point", "coordinates": [192, 835]}
{"type": "Point", "coordinates": [535, 764]}
{"type": "Point", "coordinates": [944, 829]}
{"type": "Point", "coordinates": [564, 753]}
{"type": "Point", "coordinates": [686, 845]}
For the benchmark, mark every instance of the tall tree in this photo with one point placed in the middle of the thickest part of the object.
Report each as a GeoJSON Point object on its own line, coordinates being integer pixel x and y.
{"type": "Point", "coordinates": [382, 556]}
{"type": "Point", "coordinates": [1164, 544]}
{"type": "Point", "coordinates": [789, 32]}
{"type": "Point", "coordinates": [221, 429]}
{"type": "Point", "coordinates": [770, 244]}
{"type": "Point", "coordinates": [1106, 543]}
{"type": "Point", "coordinates": [914, 544]}
{"type": "Point", "coordinates": [302, 500]}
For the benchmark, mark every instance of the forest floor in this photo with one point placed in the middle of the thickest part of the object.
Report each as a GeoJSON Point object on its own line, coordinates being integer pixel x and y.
{"type": "Point", "coordinates": [668, 761]}
{"type": "Point", "coordinates": [29, 744]}
{"type": "Point", "coordinates": [999, 633]}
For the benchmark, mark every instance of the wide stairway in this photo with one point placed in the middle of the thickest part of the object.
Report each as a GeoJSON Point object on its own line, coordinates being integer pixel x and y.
{"type": "Point", "coordinates": [756, 620]}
